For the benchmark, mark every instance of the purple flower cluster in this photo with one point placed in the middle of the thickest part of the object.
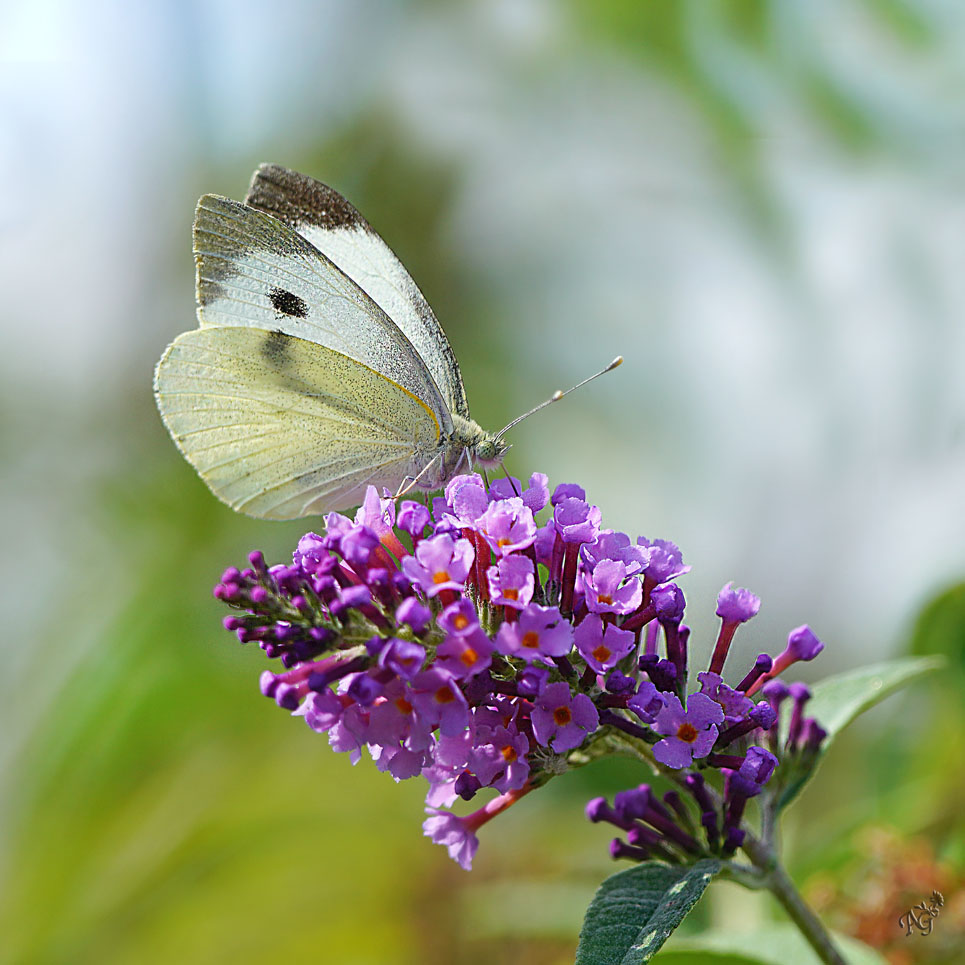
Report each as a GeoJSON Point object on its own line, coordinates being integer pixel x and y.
{"type": "Point", "coordinates": [480, 647]}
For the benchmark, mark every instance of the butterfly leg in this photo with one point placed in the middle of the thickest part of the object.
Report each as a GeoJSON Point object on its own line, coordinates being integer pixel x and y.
{"type": "Point", "coordinates": [406, 487]}
{"type": "Point", "coordinates": [502, 466]}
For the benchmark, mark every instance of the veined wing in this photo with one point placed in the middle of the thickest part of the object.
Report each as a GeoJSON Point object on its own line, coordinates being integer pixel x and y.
{"type": "Point", "coordinates": [256, 272]}
{"type": "Point", "coordinates": [333, 226]}
{"type": "Point", "coordinates": [280, 427]}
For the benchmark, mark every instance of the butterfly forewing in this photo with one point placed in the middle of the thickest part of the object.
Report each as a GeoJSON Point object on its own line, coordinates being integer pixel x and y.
{"type": "Point", "coordinates": [280, 427]}
{"type": "Point", "coordinates": [256, 272]}
{"type": "Point", "coordinates": [333, 226]}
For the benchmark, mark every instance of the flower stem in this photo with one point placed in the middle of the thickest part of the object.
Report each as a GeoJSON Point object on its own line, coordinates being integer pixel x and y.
{"type": "Point", "coordinates": [783, 889]}
{"type": "Point", "coordinates": [781, 886]}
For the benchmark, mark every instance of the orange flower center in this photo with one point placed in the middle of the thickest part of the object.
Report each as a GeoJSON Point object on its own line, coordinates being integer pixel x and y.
{"type": "Point", "coordinates": [602, 653]}
{"type": "Point", "coordinates": [531, 640]}
{"type": "Point", "coordinates": [404, 706]}
{"type": "Point", "coordinates": [687, 733]}
{"type": "Point", "coordinates": [511, 593]}
{"type": "Point", "coordinates": [444, 696]}
{"type": "Point", "coordinates": [469, 656]}
{"type": "Point", "coordinates": [509, 753]}
{"type": "Point", "coordinates": [502, 542]}
{"type": "Point", "coordinates": [562, 716]}
{"type": "Point", "coordinates": [441, 577]}
{"type": "Point", "coordinates": [460, 621]}
{"type": "Point", "coordinates": [605, 598]}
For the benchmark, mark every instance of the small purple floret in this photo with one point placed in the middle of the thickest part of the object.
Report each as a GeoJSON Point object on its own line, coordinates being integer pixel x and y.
{"type": "Point", "coordinates": [561, 720]}
{"type": "Point", "coordinates": [802, 644]}
{"type": "Point", "coordinates": [512, 581]}
{"type": "Point", "coordinates": [439, 563]}
{"type": "Point", "coordinates": [603, 647]}
{"type": "Point", "coordinates": [531, 680]}
{"type": "Point", "coordinates": [507, 526]}
{"type": "Point", "coordinates": [465, 655]}
{"type": "Point", "coordinates": [402, 657]}
{"type": "Point", "coordinates": [567, 491]}
{"type": "Point", "coordinates": [539, 632]}
{"type": "Point", "coordinates": [758, 766]}
{"type": "Point", "coordinates": [413, 518]}
{"type": "Point", "coordinates": [668, 599]}
{"type": "Point", "coordinates": [414, 615]}
{"type": "Point", "coordinates": [690, 733]}
{"type": "Point", "coordinates": [466, 498]}
{"type": "Point", "coordinates": [444, 828]}
{"type": "Point", "coordinates": [665, 562]}
{"type": "Point", "coordinates": [647, 702]}
{"type": "Point", "coordinates": [459, 618]}
{"type": "Point", "coordinates": [610, 588]}
{"type": "Point", "coordinates": [576, 521]}
{"type": "Point", "coordinates": [737, 605]}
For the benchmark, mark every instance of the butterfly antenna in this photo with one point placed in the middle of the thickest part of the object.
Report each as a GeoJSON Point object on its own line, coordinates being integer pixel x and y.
{"type": "Point", "coordinates": [557, 395]}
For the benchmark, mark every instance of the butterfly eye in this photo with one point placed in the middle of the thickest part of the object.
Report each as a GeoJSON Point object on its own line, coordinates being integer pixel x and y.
{"type": "Point", "coordinates": [489, 451]}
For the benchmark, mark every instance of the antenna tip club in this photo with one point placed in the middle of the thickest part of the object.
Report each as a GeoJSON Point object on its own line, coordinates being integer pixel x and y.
{"type": "Point", "coordinates": [557, 395]}
{"type": "Point", "coordinates": [617, 361]}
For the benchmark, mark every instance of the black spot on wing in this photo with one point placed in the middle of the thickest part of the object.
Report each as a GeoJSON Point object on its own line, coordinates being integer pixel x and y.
{"type": "Point", "coordinates": [298, 199]}
{"type": "Point", "coordinates": [287, 303]}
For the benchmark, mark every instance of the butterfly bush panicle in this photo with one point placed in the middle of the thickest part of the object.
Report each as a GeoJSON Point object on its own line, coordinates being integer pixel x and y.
{"type": "Point", "coordinates": [492, 641]}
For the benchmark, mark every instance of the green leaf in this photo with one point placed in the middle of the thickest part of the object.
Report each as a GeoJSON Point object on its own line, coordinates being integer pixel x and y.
{"type": "Point", "coordinates": [776, 944]}
{"type": "Point", "coordinates": [836, 701]}
{"type": "Point", "coordinates": [634, 911]}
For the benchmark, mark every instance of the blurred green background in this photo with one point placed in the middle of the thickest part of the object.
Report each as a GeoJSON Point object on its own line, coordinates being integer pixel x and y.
{"type": "Point", "coordinates": [760, 204]}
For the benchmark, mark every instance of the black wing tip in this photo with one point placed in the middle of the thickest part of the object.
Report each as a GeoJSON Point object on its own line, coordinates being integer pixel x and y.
{"type": "Point", "coordinates": [298, 199]}
{"type": "Point", "coordinates": [269, 169]}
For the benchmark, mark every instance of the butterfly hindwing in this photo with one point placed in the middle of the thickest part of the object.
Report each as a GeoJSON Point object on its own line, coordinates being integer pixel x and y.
{"type": "Point", "coordinates": [333, 226]}
{"type": "Point", "coordinates": [280, 427]}
{"type": "Point", "coordinates": [254, 271]}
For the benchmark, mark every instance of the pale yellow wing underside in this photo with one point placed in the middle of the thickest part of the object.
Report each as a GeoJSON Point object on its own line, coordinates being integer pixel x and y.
{"type": "Point", "coordinates": [280, 427]}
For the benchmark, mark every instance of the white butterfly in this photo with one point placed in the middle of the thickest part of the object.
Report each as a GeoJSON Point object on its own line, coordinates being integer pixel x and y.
{"type": "Point", "coordinates": [318, 368]}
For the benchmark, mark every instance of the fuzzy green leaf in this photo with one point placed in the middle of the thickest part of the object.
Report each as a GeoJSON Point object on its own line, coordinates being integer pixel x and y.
{"type": "Point", "coordinates": [635, 911]}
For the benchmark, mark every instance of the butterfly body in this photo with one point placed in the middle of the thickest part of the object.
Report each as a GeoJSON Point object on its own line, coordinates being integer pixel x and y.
{"type": "Point", "coordinates": [318, 367]}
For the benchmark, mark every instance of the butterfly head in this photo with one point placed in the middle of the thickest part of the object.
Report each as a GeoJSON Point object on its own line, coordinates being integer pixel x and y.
{"type": "Point", "coordinates": [485, 448]}
{"type": "Point", "coordinates": [489, 451]}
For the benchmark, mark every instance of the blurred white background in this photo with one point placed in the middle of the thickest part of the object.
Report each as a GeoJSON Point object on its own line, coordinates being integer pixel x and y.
{"type": "Point", "coordinates": [760, 205]}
